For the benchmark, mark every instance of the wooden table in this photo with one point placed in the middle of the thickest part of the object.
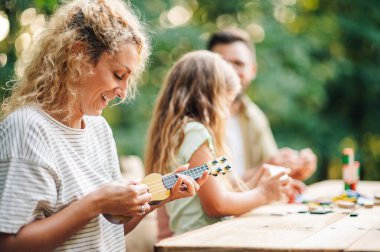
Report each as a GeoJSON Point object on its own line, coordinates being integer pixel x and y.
{"type": "Point", "coordinates": [279, 227]}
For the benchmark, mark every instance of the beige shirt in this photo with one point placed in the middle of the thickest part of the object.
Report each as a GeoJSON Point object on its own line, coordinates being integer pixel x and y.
{"type": "Point", "coordinates": [259, 143]}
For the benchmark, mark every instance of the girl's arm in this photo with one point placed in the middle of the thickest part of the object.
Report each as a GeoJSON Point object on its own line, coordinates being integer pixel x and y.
{"type": "Point", "coordinates": [218, 201]}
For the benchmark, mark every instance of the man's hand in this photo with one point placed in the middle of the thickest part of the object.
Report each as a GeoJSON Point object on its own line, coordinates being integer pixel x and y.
{"type": "Point", "coordinates": [302, 163]}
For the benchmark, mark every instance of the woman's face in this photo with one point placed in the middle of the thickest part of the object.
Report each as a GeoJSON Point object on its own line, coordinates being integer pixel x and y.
{"type": "Point", "coordinates": [108, 80]}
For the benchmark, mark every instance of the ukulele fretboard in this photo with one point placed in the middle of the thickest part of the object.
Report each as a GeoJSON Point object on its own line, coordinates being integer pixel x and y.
{"type": "Point", "coordinates": [195, 173]}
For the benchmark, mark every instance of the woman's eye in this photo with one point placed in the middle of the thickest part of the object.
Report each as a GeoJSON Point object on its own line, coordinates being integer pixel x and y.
{"type": "Point", "coordinates": [118, 77]}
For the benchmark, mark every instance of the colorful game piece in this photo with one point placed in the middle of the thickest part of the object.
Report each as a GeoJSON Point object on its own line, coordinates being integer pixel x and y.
{"type": "Point", "coordinates": [321, 211]}
{"type": "Point", "coordinates": [354, 214]}
{"type": "Point", "coordinates": [345, 204]}
{"type": "Point", "coordinates": [275, 169]}
{"type": "Point", "coordinates": [368, 204]}
{"type": "Point", "coordinates": [377, 195]}
{"type": "Point", "coordinates": [350, 169]}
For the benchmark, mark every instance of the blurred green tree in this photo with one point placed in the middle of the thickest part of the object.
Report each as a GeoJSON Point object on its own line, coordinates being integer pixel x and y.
{"type": "Point", "coordinates": [318, 78]}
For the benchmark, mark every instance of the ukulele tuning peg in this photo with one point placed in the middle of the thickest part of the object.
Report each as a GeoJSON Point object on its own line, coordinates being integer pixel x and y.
{"type": "Point", "coordinates": [223, 159]}
{"type": "Point", "coordinates": [219, 169]}
{"type": "Point", "coordinates": [214, 162]}
{"type": "Point", "coordinates": [228, 167]}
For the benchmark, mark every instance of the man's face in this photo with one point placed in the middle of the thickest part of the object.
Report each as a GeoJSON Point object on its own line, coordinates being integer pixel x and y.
{"type": "Point", "coordinates": [240, 56]}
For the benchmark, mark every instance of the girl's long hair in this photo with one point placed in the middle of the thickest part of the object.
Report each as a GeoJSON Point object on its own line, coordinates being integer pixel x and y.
{"type": "Point", "coordinates": [52, 67]}
{"type": "Point", "coordinates": [195, 89]}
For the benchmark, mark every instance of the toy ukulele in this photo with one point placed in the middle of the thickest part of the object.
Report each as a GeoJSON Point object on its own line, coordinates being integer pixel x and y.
{"type": "Point", "coordinates": [159, 186]}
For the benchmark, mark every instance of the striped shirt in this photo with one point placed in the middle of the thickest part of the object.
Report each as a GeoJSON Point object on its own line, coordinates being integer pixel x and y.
{"type": "Point", "coordinates": [45, 166]}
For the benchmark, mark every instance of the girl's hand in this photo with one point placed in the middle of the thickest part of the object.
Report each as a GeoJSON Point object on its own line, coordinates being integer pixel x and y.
{"type": "Point", "coordinates": [272, 187]}
{"type": "Point", "coordinates": [185, 185]}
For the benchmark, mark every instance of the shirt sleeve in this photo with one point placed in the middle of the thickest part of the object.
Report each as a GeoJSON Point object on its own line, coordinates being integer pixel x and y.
{"type": "Point", "coordinates": [28, 192]}
{"type": "Point", "coordinates": [268, 143]}
{"type": "Point", "coordinates": [196, 134]}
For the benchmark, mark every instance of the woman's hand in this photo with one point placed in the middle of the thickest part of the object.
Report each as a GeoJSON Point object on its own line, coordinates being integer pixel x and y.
{"type": "Point", "coordinates": [123, 197]}
{"type": "Point", "coordinates": [185, 185]}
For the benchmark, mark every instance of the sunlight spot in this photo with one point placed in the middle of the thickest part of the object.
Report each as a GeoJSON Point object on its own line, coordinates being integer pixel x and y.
{"type": "Point", "coordinates": [37, 23]}
{"type": "Point", "coordinates": [23, 42]}
{"type": "Point", "coordinates": [284, 14]}
{"type": "Point", "coordinates": [179, 15]}
{"type": "Point", "coordinates": [27, 16]}
{"type": "Point", "coordinates": [3, 59]}
{"type": "Point", "coordinates": [256, 31]}
{"type": "Point", "coordinates": [4, 26]}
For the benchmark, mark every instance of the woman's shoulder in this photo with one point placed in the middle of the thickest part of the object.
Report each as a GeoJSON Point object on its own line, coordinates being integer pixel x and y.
{"type": "Point", "coordinates": [21, 119]}
{"type": "Point", "coordinates": [20, 131]}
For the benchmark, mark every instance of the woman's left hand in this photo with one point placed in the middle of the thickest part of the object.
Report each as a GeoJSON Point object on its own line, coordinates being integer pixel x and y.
{"type": "Point", "coordinates": [185, 185]}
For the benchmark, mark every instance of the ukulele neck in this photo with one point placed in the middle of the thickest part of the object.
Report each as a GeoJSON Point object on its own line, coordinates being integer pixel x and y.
{"type": "Point", "coordinates": [195, 173]}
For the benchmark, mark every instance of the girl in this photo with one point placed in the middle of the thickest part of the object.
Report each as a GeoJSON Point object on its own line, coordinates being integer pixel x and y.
{"type": "Point", "coordinates": [188, 123]}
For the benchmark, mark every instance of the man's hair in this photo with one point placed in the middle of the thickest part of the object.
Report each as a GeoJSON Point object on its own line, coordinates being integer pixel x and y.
{"type": "Point", "coordinates": [229, 36]}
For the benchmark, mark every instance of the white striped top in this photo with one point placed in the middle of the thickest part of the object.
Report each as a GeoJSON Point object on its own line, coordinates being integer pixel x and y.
{"type": "Point", "coordinates": [45, 165]}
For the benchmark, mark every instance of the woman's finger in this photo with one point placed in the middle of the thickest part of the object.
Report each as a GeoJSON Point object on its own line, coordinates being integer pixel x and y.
{"type": "Point", "coordinates": [140, 188]}
{"type": "Point", "coordinates": [143, 198]}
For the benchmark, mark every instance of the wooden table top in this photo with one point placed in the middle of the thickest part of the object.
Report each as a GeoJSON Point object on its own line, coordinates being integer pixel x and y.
{"type": "Point", "coordinates": [280, 227]}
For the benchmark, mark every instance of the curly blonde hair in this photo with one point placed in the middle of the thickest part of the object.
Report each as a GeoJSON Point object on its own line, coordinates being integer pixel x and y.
{"type": "Point", "coordinates": [195, 89]}
{"type": "Point", "coordinates": [52, 68]}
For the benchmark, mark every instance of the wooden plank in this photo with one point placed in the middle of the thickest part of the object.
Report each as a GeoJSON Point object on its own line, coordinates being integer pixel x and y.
{"type": "Point", "coordinates": [258, 231]}
{"type": "Point", "coordinates": [342, 234]}
{"type": "Point", "coordinates": [261, 231]}
{"type": "Point", "coordinates": [371, 240]}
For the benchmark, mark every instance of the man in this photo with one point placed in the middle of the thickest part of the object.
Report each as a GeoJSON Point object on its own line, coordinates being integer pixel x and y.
{"type": "Point", "coordinates": [248, 132]}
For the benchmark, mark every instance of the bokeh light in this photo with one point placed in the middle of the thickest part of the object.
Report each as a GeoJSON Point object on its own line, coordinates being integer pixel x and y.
{"type": "Point", "coordinates": [256, 31]}
{"type": "Point", "coordinates": [284, 14]}
{"type": "Point", "coordinates": [179, 15]}
{"type": "Point", "coordinates": [4, 26]}
{"type": "Point", "coordinates": [28, 16]}
{"type": "Point", "coordinates": [3, 59]}
{"type": "Point", "coordinates": [23, 42]}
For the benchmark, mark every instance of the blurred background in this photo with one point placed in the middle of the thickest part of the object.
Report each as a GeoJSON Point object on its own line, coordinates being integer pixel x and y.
{"type": "Point", "coordinates": [318, 68]}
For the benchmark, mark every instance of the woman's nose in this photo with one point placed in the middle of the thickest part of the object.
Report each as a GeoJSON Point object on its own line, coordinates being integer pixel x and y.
{"type": "Point", "coordinates": [120, 92]}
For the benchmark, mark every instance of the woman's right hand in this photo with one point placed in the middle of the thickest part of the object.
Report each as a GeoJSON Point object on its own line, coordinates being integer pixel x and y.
{"type": "Point", "coordinates": [124, 197]}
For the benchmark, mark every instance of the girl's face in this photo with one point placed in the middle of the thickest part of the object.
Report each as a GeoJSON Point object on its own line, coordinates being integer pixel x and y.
{"type": "Point", "coordinates": [108, 80]}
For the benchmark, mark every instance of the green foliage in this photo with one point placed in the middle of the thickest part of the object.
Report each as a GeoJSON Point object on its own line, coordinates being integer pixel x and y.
{"type": "Point", "coordinates": [318, 78]}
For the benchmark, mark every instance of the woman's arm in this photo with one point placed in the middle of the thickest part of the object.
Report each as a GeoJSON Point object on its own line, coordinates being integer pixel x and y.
{"type": "Point", "coordinates": [217, 201]}
{"type": "Point", "coordinates": [47, 234]}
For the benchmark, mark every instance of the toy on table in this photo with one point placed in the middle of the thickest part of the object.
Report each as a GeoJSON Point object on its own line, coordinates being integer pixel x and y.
{"type": "Point", "coordinates": [350, 169]}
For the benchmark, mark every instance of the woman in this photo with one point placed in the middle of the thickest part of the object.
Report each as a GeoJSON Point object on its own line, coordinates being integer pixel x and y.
{"type": "Point", "coordinates": [188, 122]}
{"type": "Point", "coordinates": [58, 163]}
